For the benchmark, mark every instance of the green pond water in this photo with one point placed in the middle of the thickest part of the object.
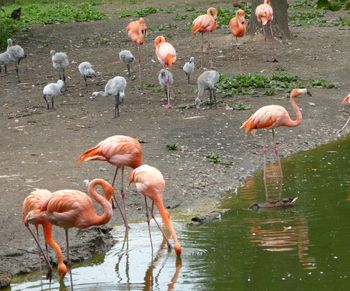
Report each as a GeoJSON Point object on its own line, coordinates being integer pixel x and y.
{"type": "Point", "coordinates": [305, 247]}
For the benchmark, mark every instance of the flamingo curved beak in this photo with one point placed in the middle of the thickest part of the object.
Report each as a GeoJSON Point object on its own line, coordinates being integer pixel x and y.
{"type": "Point", "coordinates": [308, 92]}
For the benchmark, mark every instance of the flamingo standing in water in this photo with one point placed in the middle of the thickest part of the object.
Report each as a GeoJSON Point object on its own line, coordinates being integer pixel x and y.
{"type": "Point", "coordinates": [346, 101]}
{"type": "Point", "coordinates": [264, 15]}
{"type": "Point", "coordinates": [120, 151]}
{"type": "Point", "coordinates": [32, 204]}
{"type": "Point", "coordinates": [136, 32]}
{"type": "Point", "coordinates": [149, 182]}
{"type": "Point", "coordinates": [205, 23]}
{"type": "Point", "coordinates": [272, 116]}
{"type": "Point", "coordinates": [72, 208]}
{"type": "Point", "coordinates": [238, 28]}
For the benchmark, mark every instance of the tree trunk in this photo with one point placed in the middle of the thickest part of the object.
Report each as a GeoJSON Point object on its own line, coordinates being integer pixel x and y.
{"type": "Point", "coordinates": [279, 23]}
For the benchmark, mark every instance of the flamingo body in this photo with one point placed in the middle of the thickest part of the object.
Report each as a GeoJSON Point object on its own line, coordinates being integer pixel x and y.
{"type": "Point", "coordinates": [118, 150]}
{"type": "Point", "coordinates": [272, 116]}
{"type": "Point", "coordinates": [206, 22]}
{"type": "Point", "coordinates": [149, 182]}
{"type": "Point", "coordinates": [264, 12]}
{"type": "Point", "coordinates": [136, 31]}
{"type": "Point", "coordinates": [165, 52]}
{"type": "Point", "coordinates": [237, 24]}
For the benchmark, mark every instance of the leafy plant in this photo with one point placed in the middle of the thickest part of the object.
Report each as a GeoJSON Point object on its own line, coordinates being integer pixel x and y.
{"type": "Point", "coordinates": [322, 83]}
{"type": "Point", "coordinates": [302, 4]}
{"type": "Point", "coordinates": [308, 18]}
{"type": "Point", "coordinates": [333, 5]}
{"type": "Point", "coordinates": [171, 146]}
{"type": "Point", "coordinates": [139, 12]}
{"type": "Point", "coordinates": [215, 159]}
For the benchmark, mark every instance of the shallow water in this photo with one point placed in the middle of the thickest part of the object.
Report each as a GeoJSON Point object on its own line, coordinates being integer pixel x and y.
{"type": "Point", "coordinates": [305, 247]}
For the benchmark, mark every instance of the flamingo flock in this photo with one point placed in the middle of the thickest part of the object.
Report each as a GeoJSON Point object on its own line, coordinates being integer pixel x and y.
{"type": "Point", "coordinates": [69, 208]}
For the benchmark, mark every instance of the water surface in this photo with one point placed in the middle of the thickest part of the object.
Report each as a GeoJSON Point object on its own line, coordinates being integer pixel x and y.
{"type": "Point", "coordinates": [305, 247]}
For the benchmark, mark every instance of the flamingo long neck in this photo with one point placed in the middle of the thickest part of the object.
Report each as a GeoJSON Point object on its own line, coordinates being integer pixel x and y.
{"type": "Point", "coordinates": [103, 201]}
{"type": "Point", "coordinates": [62, 268]}
{"type": "Point", "coordinates": [297, 121]}
{"type": "Point", "coordinates": [102, 93]}
{"type": "Point", "coordinates": [166, 220]}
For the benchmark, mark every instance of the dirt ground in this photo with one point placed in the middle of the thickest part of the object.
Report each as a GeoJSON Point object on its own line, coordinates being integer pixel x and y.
{"type": "Point", "coordinates": [38, 148]}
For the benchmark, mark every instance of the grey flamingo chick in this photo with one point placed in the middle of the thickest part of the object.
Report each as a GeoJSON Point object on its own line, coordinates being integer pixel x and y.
{"type": "Point", "coordinates": [16, 54]}
{"type": "Point", "coordinates": [5, 59]}
{"type": "Point", "coordinates": [115, 87]}
{"type": "Point", "coordinates": [59, 62]}
{"type": "Point", "coordinates": [189, 68]}
{"type": "Point", "coordinates": [86, 70]}
{"type": "Point", "coordinates": [51, 90]}
{"type": "Point", "coordinates": [126, 57]}
{"type": "Point", "coordinates": [166, 80]}
{"type": "Point", "coordinates": [207, 81]}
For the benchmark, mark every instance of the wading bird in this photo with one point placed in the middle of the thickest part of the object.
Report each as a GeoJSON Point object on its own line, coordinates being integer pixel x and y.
{"type": "Point", "coordinates": [126, 57]}
{"type": "Point", "coordinates": [120, 151]}
{"type": "Point", "coordinates": [51, 90]}
{"type": "Point", "coordinates": [32, 204]}
{"type": "Point", "coordinates": [166, 80]}
{"type": "Point", "coordinates": [5, 59]}
{"type": "Point", "coordinates": [72, 208]}
{"type": "Point", "coordinates": [59, 62]}
{"type": "Point", "coordinates": [346, 101]}
{"type": "Point", "coordinates": [16, 54]}
{"type": "Point", "coordinates": [86, 70]}
{"type": "Point", "coordinates": [264, 15]}
{"type": "Point", "coordinates": [136, 32]}
{"type": "Point", "coordinates": [150, 183]}
{"type": "Point", "coordinates": [205, 23]}
{"type": "Point", "coordinates": [165, 52]}
{"type": "Point", "coordinates": [188, 68]}
{"type": "Point", "coordinates": [238, 28]}
{"type": "Point", "coordinates": [272, 116]}
{"type": "Point", "coordinates": [115, 87]}
{"type": "Point", "coordinates": [207, 81]}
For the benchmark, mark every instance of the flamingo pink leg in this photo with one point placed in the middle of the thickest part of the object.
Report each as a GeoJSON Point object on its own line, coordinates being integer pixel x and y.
{"type": "Point", "coordinates": [264, 154]}
{"type": "Point", "coordinates": [202, 49]}
{"type": "Point", "coordinates": [115, 202]}
{"type": "Point", "coordinates": [122, 195]}
{"type": "Point", "coordinates": [168, 105]}
{"type": "Point", "coordinates": [346, 123]}
{"type": "Point", "coordinates": [276, 152]}
{"type": "Point", "coordinates": [154, 218]}
{"type": "Point", "coordinates": [148, 223]}
{"type": "Point", "coordinates": [238, 55]}
{"type": "Point", "coordinates": [69, 261]}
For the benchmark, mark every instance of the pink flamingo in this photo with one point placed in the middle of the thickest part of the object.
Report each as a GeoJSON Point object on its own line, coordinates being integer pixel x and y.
{"type": "Point", "coordinates": [272, 116]}
{"type": "Point", "coordinates": [264, 15]}
{"type": "Point", "coordinates": [120, 151]}
{"type": "Point", "coordinates": [346, 101]}
{"type": "Point", "coordinates": [149, 182]}
{"type": "Point", "coordinates": [136, 32]}
{"type": "Point", "coordinates": [205, 23]}
{"type": "Point", "coordinates": [72, 208]}
{"type": "Point", "coordinates": [165, 52]}
{"type": "Point", "coordinates": [32, 204]}
{"type": "Point", "coordinates": [238, 28]}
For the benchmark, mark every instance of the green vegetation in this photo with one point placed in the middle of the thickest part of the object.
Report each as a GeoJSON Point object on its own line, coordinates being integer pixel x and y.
{"type": "Point", "coordinates": [171, 146]}
{"type": "Point", "coordinates": [257, 84]}
{"type": "Point", "coordinates": [45, 12]}
{"type": "Point", "coordinates": [215, 159]}
{"type": "Point", "coordinates": [225, 14]}
{"type": "Point", "coordinates": [314, 18]}
{"type": "Point", "coordinates": [333, 5]}
{"type": "Point", "coordinates": [139, 12]}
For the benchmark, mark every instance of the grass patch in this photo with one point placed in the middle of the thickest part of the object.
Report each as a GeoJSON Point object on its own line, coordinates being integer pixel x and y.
{"type": "Point", "coordinates": [309, 18]}
{"type": "Point", "coordinates": [302, 4]}
{"type": "Point", "coordinates": [139, 12]}
{"type": "Point", "coordinates": [241, 106]}
{"type": "Point", "coordinates": [216, 159]}
{"type": "Point", "coordinates": [45, 12]}
{"type": "Point", "coordinates": [257, 84]}
{"type": "Point", "coordinates": [171, 146]}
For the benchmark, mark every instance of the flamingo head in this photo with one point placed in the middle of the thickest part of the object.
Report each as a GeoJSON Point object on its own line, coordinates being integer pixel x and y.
{"type": "Point", "coordinates": [240, 13]}
{"type": "Point", "coordinates": [143, 26]}
{"type": "Point", "coordinates": [9, 42]}
{"type": "Point", "coordinates": [267, 2]}
{"type": "Point", "coordinates": [131, 177]}
{"type": "Point", "coordinates": [177, 248]}
{"type": "Point", "coordinates": [191, 59]}
{"type": "Point", "coordinates": [62, 270]}
{"type": "Point", "coordinates": [52, 53]}
{"type": "Point", "coordinates": [297, 92]}
{"type": "Point", "coordinates": [346, 100]}
{"type": "Point", "coordinates": [159, 39]}
{"type": "Point", "coordinates": [212, 11]}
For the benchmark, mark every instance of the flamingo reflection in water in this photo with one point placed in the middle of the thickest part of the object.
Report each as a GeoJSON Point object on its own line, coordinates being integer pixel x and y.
{"type": "Point", "coordinates": [157, 264]}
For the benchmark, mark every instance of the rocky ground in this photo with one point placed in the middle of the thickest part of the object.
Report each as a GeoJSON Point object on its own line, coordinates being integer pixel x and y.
{"type": "Point", "coordinates": [38, 148]}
